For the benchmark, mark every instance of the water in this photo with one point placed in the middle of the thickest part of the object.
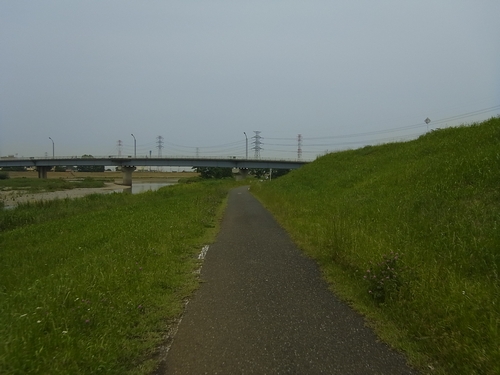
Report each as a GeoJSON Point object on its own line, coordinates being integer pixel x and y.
{"type": "Point", "coordinates": [137, 188]}
{"type": "Point", "coordinates": [141, 187]}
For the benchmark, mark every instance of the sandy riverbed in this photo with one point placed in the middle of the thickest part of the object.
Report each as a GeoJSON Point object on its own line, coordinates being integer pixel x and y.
{"type": "Point", "coordinates": [14, 197]}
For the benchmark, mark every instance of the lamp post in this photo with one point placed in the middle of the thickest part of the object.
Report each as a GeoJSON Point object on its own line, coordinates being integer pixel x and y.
{"type": "Point", "coordinates": [135, 143]}
{"type": "Point", "coordinates": [53, 155]}
{"type": "Point", "coordinates": [246, 144]}
{"type": "Point", "coordinates": [427, 120]}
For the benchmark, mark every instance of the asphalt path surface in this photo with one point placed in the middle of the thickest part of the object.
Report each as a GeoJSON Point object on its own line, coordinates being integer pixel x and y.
{"type": "Point", "coordinates": [264, 309]}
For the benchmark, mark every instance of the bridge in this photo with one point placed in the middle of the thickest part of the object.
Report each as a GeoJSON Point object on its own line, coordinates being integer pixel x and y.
{"type": "Point", "coordinates": [129, 164]}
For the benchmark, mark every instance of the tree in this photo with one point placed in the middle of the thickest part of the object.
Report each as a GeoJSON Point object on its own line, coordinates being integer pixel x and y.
{"type": "Point", "coordinates": [280, 172]}
{"type": "Point", "coordinates": [261, 172]}
{"type": "Point", "coordinates": [90, 168]}
{"type": "Point", "coordinates": [258, 172]}
{"type": "Point", "coordinates": [13, 169]}
{"type": "Point", "coordinates": [214, 172]}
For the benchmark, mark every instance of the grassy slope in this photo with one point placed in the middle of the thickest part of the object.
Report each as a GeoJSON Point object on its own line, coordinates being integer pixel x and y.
{"type": "Point", "coordinates": [408, 233]}
{"type": "Point", "coordinates": [89, 285]}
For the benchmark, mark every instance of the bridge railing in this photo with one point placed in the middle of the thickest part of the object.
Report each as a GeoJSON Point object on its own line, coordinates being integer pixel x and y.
{"type": "Point", "coordinates": [165, 157]}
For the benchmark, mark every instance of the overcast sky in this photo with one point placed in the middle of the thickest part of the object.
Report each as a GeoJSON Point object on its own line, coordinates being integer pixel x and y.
{"type": "Point", "coordinates": [343, 74]}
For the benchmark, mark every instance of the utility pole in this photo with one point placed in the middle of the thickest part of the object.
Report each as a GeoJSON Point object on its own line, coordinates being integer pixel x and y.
{"type": "Point", "coordinates": [257, 144]}
{"type": "Point", "coordinates": [159, 142]}
{"type": "Point", "coordinates": [52, 148]}
{"type": "Point", "coordinates": [246, 145]}
{"type": "Point", "coordinates": [299, 148]}
{"type": "Point", "coordinates": [135, 145]}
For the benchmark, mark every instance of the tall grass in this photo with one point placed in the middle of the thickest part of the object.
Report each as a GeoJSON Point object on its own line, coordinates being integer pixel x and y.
{"type": "Point", "coordinates": [408, 233]}
{"type": "Point", "coordinates": [91, 285]}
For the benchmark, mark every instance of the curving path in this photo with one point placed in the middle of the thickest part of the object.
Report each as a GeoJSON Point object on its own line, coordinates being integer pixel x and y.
{"type": "Point", "coordinates": [264, 309]}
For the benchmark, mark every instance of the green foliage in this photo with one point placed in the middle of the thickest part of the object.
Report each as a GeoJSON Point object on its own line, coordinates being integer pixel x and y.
{"type": "Point", "coordinates": [89, 168]}
{"type": "Point", "coordinates": [383, 278]}
{"type": "Point", "coordinates": [214, 172]}
{"type": "Point", "coordinates": [92, 285]}
{"type": "Point", "coordinates": [436, 202]}
{"type": "Point", "coordinates": [4, 176]}
{"type": "Point", "coordinates": [13, 169]}
{"type": "Point", "coordinates": [189, 180]}
{"type": "Point", "coordinates": [280, 172]}
{"type": "Point", "coordinates": [258, 172]}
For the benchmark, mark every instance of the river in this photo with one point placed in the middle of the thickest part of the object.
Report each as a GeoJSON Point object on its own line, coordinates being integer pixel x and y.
{"type": "Point", "coordinates": [12, 198]}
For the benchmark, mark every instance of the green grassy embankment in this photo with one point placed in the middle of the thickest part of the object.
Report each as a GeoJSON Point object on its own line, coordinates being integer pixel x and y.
{"type": "Point", "coordinates": [91, 285]}
{"type": "Point", "coordinates": [409, 234]}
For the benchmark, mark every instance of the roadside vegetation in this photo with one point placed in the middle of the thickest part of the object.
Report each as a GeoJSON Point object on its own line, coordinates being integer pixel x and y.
{"type": "Point", "coordinates": [408, 233]}
{"type": "Point", "coordinates": [92, 285]}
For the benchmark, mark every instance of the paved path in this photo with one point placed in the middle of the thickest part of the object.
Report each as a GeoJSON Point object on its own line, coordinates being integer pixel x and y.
{"type": "Point", "coordinates": [264, 309]}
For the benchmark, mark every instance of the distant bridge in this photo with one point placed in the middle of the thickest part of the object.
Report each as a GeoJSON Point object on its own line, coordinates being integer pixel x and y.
{"type": "Point", "coordinates": [129, 164]}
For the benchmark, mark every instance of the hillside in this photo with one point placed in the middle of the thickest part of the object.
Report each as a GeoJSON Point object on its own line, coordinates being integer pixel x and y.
{"type": "Point", "coordinates": [408, 234]}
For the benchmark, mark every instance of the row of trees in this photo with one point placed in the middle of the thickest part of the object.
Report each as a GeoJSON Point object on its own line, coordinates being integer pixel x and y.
{"type": "Point", "coordinates": [220, 172]}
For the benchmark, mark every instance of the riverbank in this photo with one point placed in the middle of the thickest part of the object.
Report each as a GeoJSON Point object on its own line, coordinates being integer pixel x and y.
{"type": "Point", "coordinates": [12, 198]}
{"type": "Point", "coordinates": [94, 285]}
{"type": "Point", "coordinates": [408, 234]}
{"type": "Point", "coordinates": [111, 176]}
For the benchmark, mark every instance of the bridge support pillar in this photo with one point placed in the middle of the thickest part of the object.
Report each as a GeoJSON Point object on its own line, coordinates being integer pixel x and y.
{"type": "Point", "coordinates": [127, 175]}
{"type": "Point", "coordinates": [42, 171]}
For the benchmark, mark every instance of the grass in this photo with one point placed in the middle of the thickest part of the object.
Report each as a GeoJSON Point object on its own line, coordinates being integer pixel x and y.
{"type": "Point", "coordinates": [92, 285]}
{"type": "Point", "coordinates": [408, 234]}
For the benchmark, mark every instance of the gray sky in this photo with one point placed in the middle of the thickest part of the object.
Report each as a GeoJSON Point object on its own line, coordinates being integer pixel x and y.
{"type": "Point", "coordinates": [342, 74]}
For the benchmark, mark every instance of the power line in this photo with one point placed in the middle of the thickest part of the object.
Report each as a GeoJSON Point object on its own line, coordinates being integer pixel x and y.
{"type": "Point", "coordinates": [464, 115]}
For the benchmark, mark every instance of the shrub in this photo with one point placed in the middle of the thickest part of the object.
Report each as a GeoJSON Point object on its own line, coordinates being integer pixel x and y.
{"type": "Point", "coordinates": [384, 278]}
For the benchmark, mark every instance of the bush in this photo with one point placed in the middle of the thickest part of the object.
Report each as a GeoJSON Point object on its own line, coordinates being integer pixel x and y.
{"type": "Point", "coordinates": [4, 176]}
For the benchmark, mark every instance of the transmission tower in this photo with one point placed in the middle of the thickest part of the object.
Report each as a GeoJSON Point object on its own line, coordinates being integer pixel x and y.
{"type": "Point", "coordinates": [299, 147]}
{"type": "Point", "coordinates": [119, 145]}
{"type": "Point", "coordinates": [159, 142]}
{"type": "Point", "coordinates": [256, 142]}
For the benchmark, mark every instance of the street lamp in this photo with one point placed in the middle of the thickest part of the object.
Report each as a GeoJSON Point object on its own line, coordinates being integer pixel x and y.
{"type": "Point", "coordinates": [246, 142]}
{"type": "Point", "coordinates": [52, 148]}
{"type": "Point", "coordinates": [135, 142]}
{"type": "Point", "coordinates": [427, 120]}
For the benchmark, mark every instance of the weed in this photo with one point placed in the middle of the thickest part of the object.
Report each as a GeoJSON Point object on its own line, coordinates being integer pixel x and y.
{"type": "Point", "coordinates": [383, 278]}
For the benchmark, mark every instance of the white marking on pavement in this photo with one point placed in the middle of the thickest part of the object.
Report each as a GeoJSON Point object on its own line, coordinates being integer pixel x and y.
{"type": "Point", "coordinates": [203, 252]}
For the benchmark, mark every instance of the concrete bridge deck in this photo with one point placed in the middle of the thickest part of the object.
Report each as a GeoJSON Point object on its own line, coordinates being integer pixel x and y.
{"type": "Point", "coordinates": [129, 164]}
